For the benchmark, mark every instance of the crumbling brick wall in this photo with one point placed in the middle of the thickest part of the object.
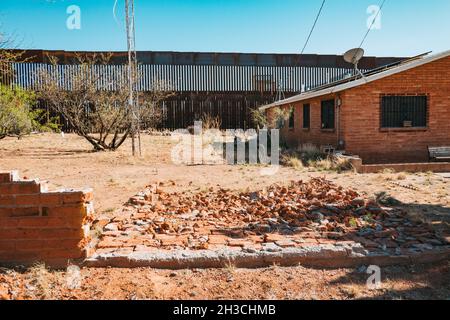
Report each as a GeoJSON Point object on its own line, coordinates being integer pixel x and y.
{"type": "Point", "coordinates": [41, 226]}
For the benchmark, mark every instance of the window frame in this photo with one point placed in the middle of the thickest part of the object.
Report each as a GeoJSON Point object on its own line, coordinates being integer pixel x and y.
{"type": "Point", "coordinates": [291, 120]}
{"type": "Point", "coordinates": [322, 114]}
{"type": "Point", "coordinates": [306, 106]}
{"type": "Point", "coordinates": [383, 121]}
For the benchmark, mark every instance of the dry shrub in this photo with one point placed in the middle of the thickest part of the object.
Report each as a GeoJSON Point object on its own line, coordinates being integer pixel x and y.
{"type": "Point", "coordinates": [332, 163]}
{"type": "Point", "coordinates": [210, 122]}
{"type": "Point", "coordinates": [259, 118]}
{"type": "Point", "coordinates": [322, 164]}
{"type": "Point", "coordinates": [293, 162]}
{"type": "Point", "coordinates": [342, 164]}
{"type": "Point", "coordinates": [310, 152]}
{"type": "Point", "coordinates": [40, 282]}
{"type": "Point", "coordinates": [311, 156]}
{"type": "Point", "coordinates": [9, 55]}
{"type": "Point", "coordinates": [281, 116]}
{"type": "Point", "coordinates": [401, 176]}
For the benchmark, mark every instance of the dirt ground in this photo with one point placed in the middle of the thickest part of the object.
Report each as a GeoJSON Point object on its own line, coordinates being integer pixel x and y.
{"type": "Point", "coordinates": [274, 283]}
{"type": "Point", "coordinates": [68, 162]}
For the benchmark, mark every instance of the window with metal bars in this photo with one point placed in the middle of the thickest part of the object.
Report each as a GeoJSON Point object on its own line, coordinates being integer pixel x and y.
{"type": "Point", "coordinates": [292, 118]}
{"type": "Point", "coordinates": [306, 116]}
{"type": "Point", "coordinates": [327, 114]}
{"type": "Point", "coordinates": [404, 111]}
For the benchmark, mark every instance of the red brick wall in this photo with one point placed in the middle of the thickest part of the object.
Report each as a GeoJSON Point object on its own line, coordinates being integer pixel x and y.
{"type": "Point", "coordinates": [359, 124]}
{"type": "Point", "coordinates": [361, 116]}
{"type": "Point", "coordinates": [41, 226]}
{"type": "Point", "coordinates": [314, 134]}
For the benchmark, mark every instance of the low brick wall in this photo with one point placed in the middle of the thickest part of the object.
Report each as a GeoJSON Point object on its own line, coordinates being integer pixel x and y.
{"type": "Point", "coordinates": [400, 167]}
{"type": "Point", "coordinates": [41, 226]}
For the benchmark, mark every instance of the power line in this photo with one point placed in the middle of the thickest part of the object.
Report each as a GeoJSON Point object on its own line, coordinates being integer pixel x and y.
{"type": "Point", "coordinates": [114, 13]}
{"type": "Point", "coordinates": [371, 25]}
{"type": "Point", "coordinates": [314, 26]}
{"type": "Point", "coordinates": [132, 70]}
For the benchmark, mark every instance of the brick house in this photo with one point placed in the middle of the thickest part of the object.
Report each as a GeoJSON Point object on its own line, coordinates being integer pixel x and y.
{"type": "Point", "coordinates": [392, 114]}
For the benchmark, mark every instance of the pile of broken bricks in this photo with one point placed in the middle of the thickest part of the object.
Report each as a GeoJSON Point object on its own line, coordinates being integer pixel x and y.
{"type": "Point", "coordinates": [299, 215]}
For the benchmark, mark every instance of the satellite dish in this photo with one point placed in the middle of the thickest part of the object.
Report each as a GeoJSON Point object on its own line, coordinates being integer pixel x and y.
{"type": "Point", "coordinates": [353, 56]}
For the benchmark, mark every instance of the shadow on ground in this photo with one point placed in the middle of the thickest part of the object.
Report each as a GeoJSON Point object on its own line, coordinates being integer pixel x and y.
{"type": "Point", "coordinates": [430, 281]}
{"type": "Point", "coordinates": [47, 154]}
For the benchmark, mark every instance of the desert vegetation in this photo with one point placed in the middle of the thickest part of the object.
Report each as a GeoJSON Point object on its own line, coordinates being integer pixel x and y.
{"type": "Point", "coordinates": [7, 55]}
{"type": "Point", "coordinates": [17, 115]}
{"type": "Point", "coordinates": [259, 118]}
{"type": "Point", "coordinates": [312, 157]}
{"type": "Point", "coordinates": [96, 104]}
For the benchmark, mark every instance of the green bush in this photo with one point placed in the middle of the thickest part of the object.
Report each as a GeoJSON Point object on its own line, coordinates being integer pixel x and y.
{"type": "Point", "coordinates": [42, 123]}
{"type": "Point", "coordinates": [16, 115]}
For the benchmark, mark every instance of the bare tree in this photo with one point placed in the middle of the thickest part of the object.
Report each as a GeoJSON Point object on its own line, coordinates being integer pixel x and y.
{"type": "Point", "coordinates": [95, 102]}
{"type": "Point", "coordinates": [148, 110]}
{"type": "Point", "coordinates": [8, 55]}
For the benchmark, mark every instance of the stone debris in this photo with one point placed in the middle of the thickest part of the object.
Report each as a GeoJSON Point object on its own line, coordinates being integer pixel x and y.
{"type": "Point", "coordinates": [299, 215]}
{"type": "Point", "coordinates": [4, 291]}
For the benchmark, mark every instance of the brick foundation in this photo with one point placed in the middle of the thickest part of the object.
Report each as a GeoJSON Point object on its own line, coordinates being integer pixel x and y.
{"type": "Point", "coordinates": [41, 226]}
{"type": "Point", "coordinates": [400, 167]}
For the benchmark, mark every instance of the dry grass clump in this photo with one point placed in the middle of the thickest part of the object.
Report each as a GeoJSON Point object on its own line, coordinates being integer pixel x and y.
{"type": "Point", "coordinates": [321, 164]}
{"type": "Point", "coordinates": [281, 116]}
{"type": "Point", "coordinates": [259, 118]}
{"type": "Point", "coordinates": [310, 152]}
{"type": "Point", "coordinates": [332, 163]}
{"type": "Point", "coordinates": [40, 282]}
{"type": "Point", "coordinates": [292, 161]}
{"type": "Point", "coordinates": [308, 155]}
{"type": "Point", "coordinates": [401, 176]}
{"type": "Point", "coordinates": [342, 164]}
{"type": "Point", "coordinates": [210, 122]}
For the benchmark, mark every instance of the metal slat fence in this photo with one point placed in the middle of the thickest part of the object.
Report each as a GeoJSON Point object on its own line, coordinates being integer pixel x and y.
{"type": "Point", "coordinates": [230, 92]}
{"type": "Point", "coordinates": [191, 78]}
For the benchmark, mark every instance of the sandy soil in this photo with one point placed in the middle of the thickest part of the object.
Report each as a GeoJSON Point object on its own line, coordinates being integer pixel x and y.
{"type": "Point", "coordinates": [116, 176]}
{"type": "Point", "coordinates": [413, 282]}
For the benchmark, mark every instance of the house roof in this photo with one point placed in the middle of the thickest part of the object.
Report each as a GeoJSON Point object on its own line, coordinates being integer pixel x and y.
{"type": "Point", "coordinates": [356, 81]}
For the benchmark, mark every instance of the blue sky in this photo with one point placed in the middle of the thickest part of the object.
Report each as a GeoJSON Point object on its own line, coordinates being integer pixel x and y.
{"type": "Point", "coordinates": [408, 27]}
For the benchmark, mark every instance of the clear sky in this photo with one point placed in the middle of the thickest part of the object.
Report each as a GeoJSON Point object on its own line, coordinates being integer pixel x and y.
{"type": "Point", "coordinates": [408, 27]}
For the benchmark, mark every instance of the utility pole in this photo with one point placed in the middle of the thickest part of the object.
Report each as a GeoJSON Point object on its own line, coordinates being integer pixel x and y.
{"type": "Point", "coordinates": [132, 75]}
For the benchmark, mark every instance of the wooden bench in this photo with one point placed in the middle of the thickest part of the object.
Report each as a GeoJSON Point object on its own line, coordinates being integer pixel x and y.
{"type": "Point", "coordinates": [439, 153]}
